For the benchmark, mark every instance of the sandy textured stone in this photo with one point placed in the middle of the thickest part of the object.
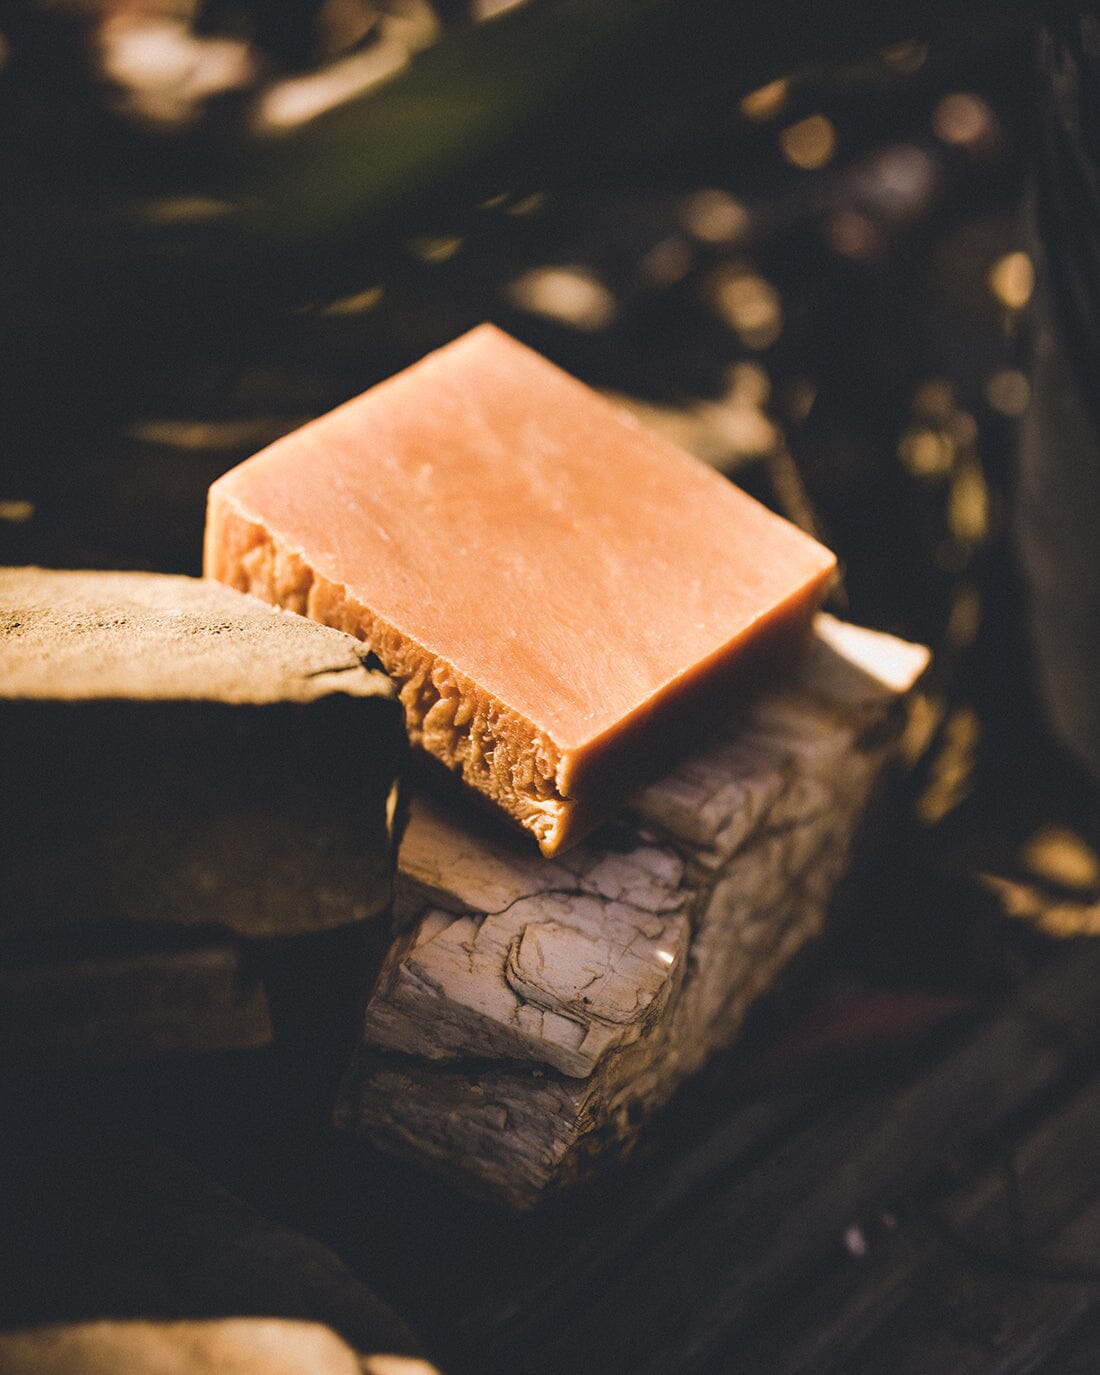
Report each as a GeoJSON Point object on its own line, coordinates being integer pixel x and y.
{"type": "Point", "coordinates": [536, 1012]}
{"type": "Point", "coordinates": [176, 754]}
{"type": "Point", "coordinates": [79, 636]}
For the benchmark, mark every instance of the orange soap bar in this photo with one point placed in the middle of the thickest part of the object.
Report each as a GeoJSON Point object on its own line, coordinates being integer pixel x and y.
{"type": "Point", "coordinates": [555, 590]}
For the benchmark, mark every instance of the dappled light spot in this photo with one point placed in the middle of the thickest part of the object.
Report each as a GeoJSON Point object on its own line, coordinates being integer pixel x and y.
{"type": "Point", "coordinates": [934, 400]}
{"type": "Point", "coordinates": [185, 210]}
{"type": "Point", "coordinates": [489, 9]}
{"type": "Point", "coordinates": [16, 512]}
{"type": "Point", "coordinates": [435, 248]}
{"type": "Point", "coordinates": [164, 71]}
{"type": "Point", "coordinates": [1012, 280]}
{"type": "Point", "coordinates": [968, 504]}
{"type": "Point", "coordinates": [852, 234]}
{"type": "Point", "coordinates": [899, 182]}
{"type": "Point", "coordinates": [1061, 856]}
{"type": "Point", "coordinates": [1032, 903]}
{"type": "Point", "coordinates": [749, 304]}
{"type": "Point", "coordinates": [750, 384]}
{"type": "Point", "coordinates": [810, 143]}
{"type": "Point", "coordinates": [952, 767]}
{"type": "Point", "coordinates": [906, 57]}
{"type": "Point", "coordinates": [494, 202]}
{"type": "Point", "coordinates": [800, 394]}
{"type": "Point", "coordinates": [249, 433]}
{"type": "Point", "coordinates": [714, 216]}
{"type": "Point", "coordinates": [738, 429]}
{"type": "Point", "coordinates": [1008, 392]}
{"type": "Point", "coordinates": [965, 617]}
{"type": "Point", "coordinates": [666, 263]}
{"type": "Point", "coordinates": [295, 101]}
{"type": "Point", "coordinates": [401, 32]}
{"type": "Point", "coordinates": [855, 1242]}
{"type": "Point", "coordinates": [529, 205]}
{"type": "Point", "coordinates": [573, 295]}
{"type": "Point", "coordinates": [356, 304]}
{"type": "Point", "coordinates": [926, 453]}
{"type": "Point", "coordinates": [765, 102]}
{"type": "Point", "coordinates": [964, 120]}
{"type": "Point", "coordinates": [926, 715]}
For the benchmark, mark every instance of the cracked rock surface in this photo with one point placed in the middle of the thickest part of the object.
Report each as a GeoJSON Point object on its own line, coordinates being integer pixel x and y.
{"type": "Point", "coordinates": [535, 1012]}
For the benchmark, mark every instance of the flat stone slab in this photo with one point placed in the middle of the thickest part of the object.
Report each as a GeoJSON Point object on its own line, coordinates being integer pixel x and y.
{"type": "Point", "coordinates": [178, 755]}
{"type": "Point", "coordinates": [535, 1012]}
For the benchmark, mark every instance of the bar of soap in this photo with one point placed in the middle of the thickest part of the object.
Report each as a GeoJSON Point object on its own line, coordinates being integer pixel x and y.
{"type": "Point", "coordinates": [178, 756]}
{"type": "Point", "coordinates": [552, 587]}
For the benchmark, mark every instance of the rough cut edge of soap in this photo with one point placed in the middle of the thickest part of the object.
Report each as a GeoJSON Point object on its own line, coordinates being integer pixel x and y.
{"type": "Point", "coordinates": [761, 823]}
{"type": "Point", "coordinates": [76, 635]}
{"type": "Point", "coordinates": [503, 756]}
{"type": "Point", "coordinates": [557, 795]}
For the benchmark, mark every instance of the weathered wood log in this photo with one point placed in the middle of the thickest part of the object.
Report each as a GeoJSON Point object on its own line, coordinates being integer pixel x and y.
{"type": "Point", "coordinates": [535, 1012]}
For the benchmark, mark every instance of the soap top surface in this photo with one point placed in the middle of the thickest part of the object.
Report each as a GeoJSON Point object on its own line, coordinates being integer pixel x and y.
{"type": "Point", "coordinates": [516, 524]}
{"type": "Point", "coordinates": [78, 636]}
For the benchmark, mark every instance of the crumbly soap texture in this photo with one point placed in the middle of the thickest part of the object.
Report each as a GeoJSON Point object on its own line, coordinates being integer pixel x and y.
{"type": "Point", "coordinates": [555, 590]}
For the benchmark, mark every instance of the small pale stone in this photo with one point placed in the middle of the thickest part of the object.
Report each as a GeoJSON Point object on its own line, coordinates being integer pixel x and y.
{"type": "Point", "coordinates": [231, 1346]}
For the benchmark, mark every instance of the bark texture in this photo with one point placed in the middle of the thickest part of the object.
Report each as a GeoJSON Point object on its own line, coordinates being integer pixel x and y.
{"type": "Point", "coordinates": [535, 1012]}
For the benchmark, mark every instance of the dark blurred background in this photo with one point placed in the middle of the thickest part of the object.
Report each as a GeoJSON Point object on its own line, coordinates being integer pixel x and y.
{"type": "Point", "coordinates": [791, 240]}
{"type": "Point", "coordinates": [222, 219]}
